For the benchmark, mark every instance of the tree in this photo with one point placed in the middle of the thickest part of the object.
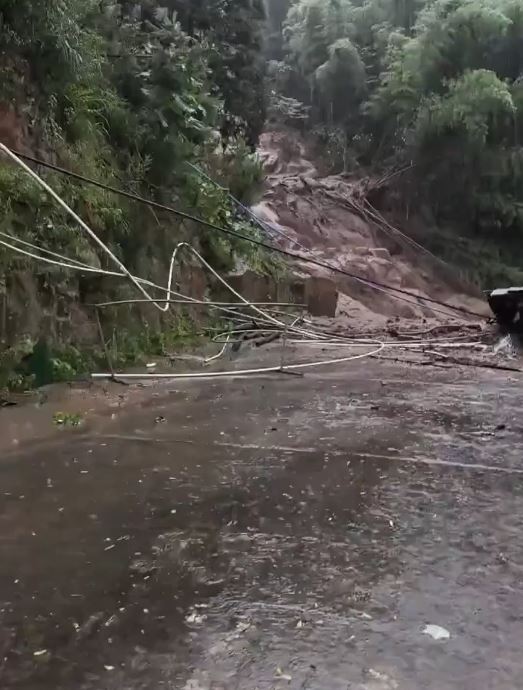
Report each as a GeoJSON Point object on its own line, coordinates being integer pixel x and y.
{"type": "Point", "coordinates": [445, 102]}
{"type": "Point", "coordinates": [233, 31]}
{"type": "Point", "coordinates": [462, 145]}
{"type": "Point", "coordinates": [435, 85]}
{"type": "Point", "coordinates": [341, 81]}
{"type": "Point", "coordinates": [276, 13]}
{"type": "Point", "coordinates": [163, 76]}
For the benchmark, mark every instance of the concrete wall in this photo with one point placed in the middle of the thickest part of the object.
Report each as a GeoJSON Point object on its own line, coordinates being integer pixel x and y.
{"type": "Point", "coordinates": [318, 294]}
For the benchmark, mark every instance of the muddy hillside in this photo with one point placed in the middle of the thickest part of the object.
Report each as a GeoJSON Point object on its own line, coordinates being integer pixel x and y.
{"type": "Point", "coordinates": [331, 219]}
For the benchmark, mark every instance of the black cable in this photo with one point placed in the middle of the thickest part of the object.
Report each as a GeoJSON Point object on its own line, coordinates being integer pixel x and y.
{"type": "Point", "coordinates": [238, 235]}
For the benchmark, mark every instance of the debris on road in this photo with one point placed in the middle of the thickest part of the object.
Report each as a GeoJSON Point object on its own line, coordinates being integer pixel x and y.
{"type": "Point", "coordinates": [280, 675]}
{"type": "Point", "coordinates": [64, 419]}
{"type": "Point", "coordinates": [436, 632]}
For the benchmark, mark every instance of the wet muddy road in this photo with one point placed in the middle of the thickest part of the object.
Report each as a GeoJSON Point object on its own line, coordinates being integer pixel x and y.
{"type": "Point", "coordinates": [274, 533]}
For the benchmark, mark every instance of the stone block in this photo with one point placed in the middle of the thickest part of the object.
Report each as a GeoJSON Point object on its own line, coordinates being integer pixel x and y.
{"type": "Point", "coordinates": [321, 296]}
{"type": "Point", "coordinates": [380, 253]}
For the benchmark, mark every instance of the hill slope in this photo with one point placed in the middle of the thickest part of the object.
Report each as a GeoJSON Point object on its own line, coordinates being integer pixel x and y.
{"type": "Point", "coordinates": [328, 218]}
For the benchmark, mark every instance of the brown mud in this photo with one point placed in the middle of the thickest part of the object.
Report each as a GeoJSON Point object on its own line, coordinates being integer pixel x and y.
{"type": "Point", "coordinates": [321, 216]}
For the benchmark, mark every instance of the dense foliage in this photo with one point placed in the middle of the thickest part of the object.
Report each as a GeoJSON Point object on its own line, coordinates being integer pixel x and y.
{"type": "Point", "coordinates": [435, 86]}
{"type": "Point", "coordinates": [233, 33]}
{"type": "Point", "coordinates": [158, 81]}
{"type": "Point", "coordinates": [129, 93]}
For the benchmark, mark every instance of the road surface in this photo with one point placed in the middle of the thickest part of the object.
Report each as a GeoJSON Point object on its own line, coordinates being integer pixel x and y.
{"type": "Point", "coordinates": [276, 533]}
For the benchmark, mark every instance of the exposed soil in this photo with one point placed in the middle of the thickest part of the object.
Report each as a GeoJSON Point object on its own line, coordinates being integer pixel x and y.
{"type": "Point", "coordinates": [319, 215]}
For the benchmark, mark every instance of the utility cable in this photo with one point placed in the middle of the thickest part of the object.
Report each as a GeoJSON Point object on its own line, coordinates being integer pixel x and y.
{"type": "Point", "coordinates": [263, 225]}
{"type": "Point", "coordinates": [269, 229]}
{"type": "Point", "coordinates": [222, 306]}
{"type": "Point", "coordinates": [227, 231]}
{"type": "Point", "coordinates": [332, 338]}
{"type": "Point", "coordinates": [137, 282]}
{"type": "Point", "coordinates": [243, 372]}
{"type": "Point", "coordinates": [266, 316]}
{"type": "Point", "coordinates": [339, 341]}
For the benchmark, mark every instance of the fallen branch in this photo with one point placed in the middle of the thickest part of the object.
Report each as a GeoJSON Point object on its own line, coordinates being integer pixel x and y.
{"type": "Point", "coordinates": [451, 361]}
{"type": "Point", "coordinates": [418, 362]}
{"type": "Point", "coordinates": [485, 365]}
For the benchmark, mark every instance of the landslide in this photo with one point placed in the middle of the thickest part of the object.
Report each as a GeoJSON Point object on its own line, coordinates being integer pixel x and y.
{"type": "Point", "coordinates": [329, 218]}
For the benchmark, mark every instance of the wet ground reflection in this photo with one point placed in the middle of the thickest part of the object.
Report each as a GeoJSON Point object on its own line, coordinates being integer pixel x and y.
{"type": "Point", "coordinates": [189, 546]}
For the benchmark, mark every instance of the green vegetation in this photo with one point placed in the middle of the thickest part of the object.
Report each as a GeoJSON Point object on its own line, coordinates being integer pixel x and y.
{"type": "Point", "coordinates": [127, 93]}
{"type": "Point", "coordinates": [435, 87]}
{"type": "Point", "coordinates": [36, 363]}
{"type": "Point", "coordinates": [67, 419]}
{"type": "Point", "coordinates": [131, 93]}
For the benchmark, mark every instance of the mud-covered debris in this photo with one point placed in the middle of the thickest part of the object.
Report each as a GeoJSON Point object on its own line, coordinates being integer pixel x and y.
{"type": "Point", "coordinates": [90, 626]}
{"type": "Point", "coordinates": [40, 652]}
{"type": "Point", "coordinates": [282, 676]}
{"type": "Point", "coordinates": [436, 632]}
{"type": "Point", "coordinates": [195, 618]}
{"type": "Point", "coordinates": [160, 419]}
{"type": "Point", "coordinates": [112, 620]}
{"type": "Point", "coordinates": [384, 680]}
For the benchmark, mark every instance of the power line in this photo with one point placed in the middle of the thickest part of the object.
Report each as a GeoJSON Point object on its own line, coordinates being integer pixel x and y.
{"type": "Point", "coordinates": [373, 215]}
{"type": "Point", "coordinates": [269, 229]}
{"type": "Point", "coordinates": [240, 236]}
{"type": "Point", "coordinates": [266, 227]}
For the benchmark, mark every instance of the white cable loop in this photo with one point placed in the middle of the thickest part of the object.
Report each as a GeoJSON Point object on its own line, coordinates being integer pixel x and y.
{"type": "Point", "coordinates": [310, 336]}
